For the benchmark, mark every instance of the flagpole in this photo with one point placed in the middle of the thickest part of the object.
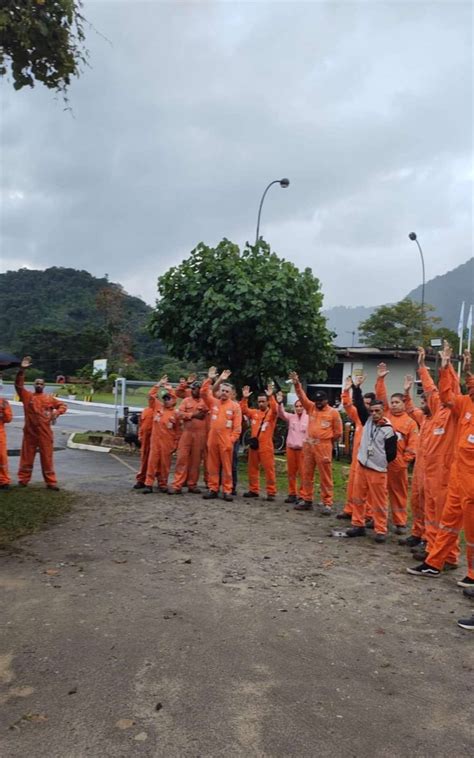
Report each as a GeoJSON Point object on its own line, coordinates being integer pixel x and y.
{"type": "Point", "coordinates": [460, 333]}
{"type": "Point", "coordinates": [469, 327]}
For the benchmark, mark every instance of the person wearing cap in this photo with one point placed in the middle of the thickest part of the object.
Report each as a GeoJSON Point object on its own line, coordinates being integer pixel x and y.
{"type": "Point", "coordinates": [164, 437]}
{"type": "Point", "coordinates": [224, 431]}
{"type": "Point", "coordinates": [192, 412]}
{"type": "Point", "coordinates": [324, 429]}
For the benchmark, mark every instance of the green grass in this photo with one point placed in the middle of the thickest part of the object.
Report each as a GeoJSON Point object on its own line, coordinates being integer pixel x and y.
{"type": "Point", "coordinates": [25, 510]}
{"type": "Point", "coordinates": [340, 476]}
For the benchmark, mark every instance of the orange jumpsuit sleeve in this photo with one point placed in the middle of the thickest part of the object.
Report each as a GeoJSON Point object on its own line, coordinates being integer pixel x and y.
{"type": "Point", "coordinates": [381, 391]}
{"type": "Point", "coordinates": [237, 424]}
{"type": "Point", "coordinates": [336, 425]}
{"type": "Point", "coordinates": [307, 404]}
{"type": "Point", "coordinates": [415, 413]}
{"type": "Point", "coordinates": [20, 386]}
{"type": "Point", "coordinates": [182, 390]}
{"type": "Point", "coordinates": [58, 406]}
{"type": "Point", "coordinates": [7, 413]}
{"type": "Point", "coordinates": [349, 408]}
{"type": "Point", "coordinates": [430, 389]}
{"type": "Point", "coordinates": [455, 383]}
{"type": "Point", "coordinates": [205, 386]}
{"type": "Point", "coordinates": [246, 410]}
{"type": "Point", "coordinates": [273, 407]}
{"type": "Point", "coordinates": [446, 392]}
{"type": "Point", "coordinates": [411, 446]}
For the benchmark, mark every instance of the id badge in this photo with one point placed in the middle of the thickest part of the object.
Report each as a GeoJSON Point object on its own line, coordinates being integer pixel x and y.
{"type": "Point", "coordinates": [370, 450]}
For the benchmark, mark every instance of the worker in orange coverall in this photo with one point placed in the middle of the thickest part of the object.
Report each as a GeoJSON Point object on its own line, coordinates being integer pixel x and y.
{"type": "Point", "coordinates": [324, 429]}
{"type": "Point", "coordinates": [192, 443]}
{"type": "Point", "coordinates": [352, 413]}
{"type": "Point", "coordinates": [224, 431]}
{"type": "Point", "coordinates": [164, 437]}
{"type": "Point", "coordinates": [262, 425]}
{"type": "Point", "coordinates": [41, 411]}
{"type": "Point", "coordinates": [437, 454]}
{"type": "Point", "coordinates": [459, 507]}
{"type": "Point", "coordinates": [144, 436]}
{"type": "Point", "coordinates": [424, 420]}
{"type": "Point", "coordinates": [6, 416]}
{"type": "Point", "coordinates": [406, 430]}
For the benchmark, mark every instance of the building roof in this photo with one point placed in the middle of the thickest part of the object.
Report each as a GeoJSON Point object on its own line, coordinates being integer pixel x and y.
{"type": "Point", "coordinates": [379, 352]}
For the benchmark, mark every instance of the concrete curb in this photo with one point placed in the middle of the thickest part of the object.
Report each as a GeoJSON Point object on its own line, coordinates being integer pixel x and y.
{"type": "Point", "coordinates": [81, 446]}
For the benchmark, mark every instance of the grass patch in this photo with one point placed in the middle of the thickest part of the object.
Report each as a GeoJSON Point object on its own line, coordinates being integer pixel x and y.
{"type": "Point", "coordinates": [25, 510]}
{"type": "Point", "coordinates": [340, 477]}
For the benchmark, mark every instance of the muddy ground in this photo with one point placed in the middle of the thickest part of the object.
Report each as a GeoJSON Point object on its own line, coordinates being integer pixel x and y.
{"type": "Point", "coordinates": [159, 626]}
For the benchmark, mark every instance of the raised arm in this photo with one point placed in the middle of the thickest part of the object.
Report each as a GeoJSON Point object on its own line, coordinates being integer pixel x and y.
{"type": "Point", "coordinates": [284, 415]}
{"type": "Point", "coordinates": [302, 397]}
{"type": "Point", "coordinates": [380, 388]}
{"type": "Point", "coordinates": [349, 408]}
{"type": "Point", "coordinates": [244, 403]}
{"type": "Point", "coordinates": [20, 379]}
{"type": "Point", "coordinates": [416, 413]}
{"type": "Point", "coordinates": [6, 413]}
{"type": "Point", "coordinates": [358, 401]}
{"type": "Point", "coordinates": [223, 377]}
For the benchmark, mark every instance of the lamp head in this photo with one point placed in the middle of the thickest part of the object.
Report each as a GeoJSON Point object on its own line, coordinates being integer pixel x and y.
{"type": "Point", "coordinates": [412, 236]}
{"type": "Point", "coordinates": [284, 182]}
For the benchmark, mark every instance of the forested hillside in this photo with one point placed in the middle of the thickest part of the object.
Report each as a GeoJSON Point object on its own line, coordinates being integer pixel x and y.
{"type": "Point", "coordinates": [65, 318]}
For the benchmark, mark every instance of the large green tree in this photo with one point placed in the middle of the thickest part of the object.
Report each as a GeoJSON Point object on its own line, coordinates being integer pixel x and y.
{"type": "Point", "coordinates": [42, 41]}
{"type": "Point", "coordinates": [249, 311]}
{"type": "Point", "coordinates": [401, 326]}
{"type": "Point", "coordinates": [62, 351]}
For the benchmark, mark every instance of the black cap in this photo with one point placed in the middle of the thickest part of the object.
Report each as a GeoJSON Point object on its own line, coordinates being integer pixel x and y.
{"type": "Point", "coordinates": [196, 385]}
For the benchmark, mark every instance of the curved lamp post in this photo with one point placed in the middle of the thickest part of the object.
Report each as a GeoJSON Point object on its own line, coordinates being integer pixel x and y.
{"type": "Point", "coordinates": [414, 238]}
{"type": "Point", "coordinates": [283, 183]}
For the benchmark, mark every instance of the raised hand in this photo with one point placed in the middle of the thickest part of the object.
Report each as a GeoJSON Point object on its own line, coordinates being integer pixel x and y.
{"type": "Point", "coordinates": [161, 382]}
{"type": "Point", "coordinates": [421, 355]}
{"type": "Point", "coordinates": [225, 374]}
{"type": "Point", "coordinates": [212, 373]}
{"type": "Point", "coordinates": [26, 361]}
{"type": "Point", "coordinates": [347, 383]}
{"type": "Point", "coordinates": [445, 354]}
{"type": "Point", "coordinates": [191, 378]}
{"type": "Point", "coordinates": [246, 392]}
{"type": "Point", "coordinates": [293, 376]}
{"type": "Point", "coordinates": [359, 380]}
{"type": "Point", "coordinates": [408, 384]}
{"type": "Point", "coordinates": [279, 396]}
{"type": "Point", "coordinates": [382, 370]}
{"type": "Point", "coordinates": [269, 390]}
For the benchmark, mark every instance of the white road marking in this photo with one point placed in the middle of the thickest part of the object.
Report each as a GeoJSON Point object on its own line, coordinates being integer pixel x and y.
{"type": "Point", "coordinates": [123, 462]}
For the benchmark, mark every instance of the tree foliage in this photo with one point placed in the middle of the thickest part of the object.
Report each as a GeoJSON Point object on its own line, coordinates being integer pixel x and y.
{"type": "Point", "coordinates": [42, 41]}
{"type": "Point", "coordinates": [400, 326]}
{"type": "Point", "coordinates": [249, 311]}
{"type": "Point", "coordinates": [62, 351]}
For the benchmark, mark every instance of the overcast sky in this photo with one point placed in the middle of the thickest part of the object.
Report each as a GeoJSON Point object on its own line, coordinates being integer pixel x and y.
{"type": "Point", "coordinates": [190, 109]}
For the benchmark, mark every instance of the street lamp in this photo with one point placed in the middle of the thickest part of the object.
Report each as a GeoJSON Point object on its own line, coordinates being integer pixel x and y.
{"type": "Point", "coordinates": [413, 238]}
{"type": "Point", "coordinates": [283, 183]}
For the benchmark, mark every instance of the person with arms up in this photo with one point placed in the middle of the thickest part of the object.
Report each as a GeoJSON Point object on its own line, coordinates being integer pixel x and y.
{"type": "Point", "coordinates": [145, 428]}
{"type": "Point", "coordinates": [192, 443]}
{"type": "Point", "coordinates": [407, 433]}
{"type": "Point", "coordinates": [378, 446]}
{"type": "Point", "coordinates": [41, 412]}
{"type": "Point", "coordinates": [224, 431]}
{"type": "Point", "coordinates": [295, 439]}
{"type": "Point", "coordinates": [261, 449]}
{"type": "Point", "coordinates": [324, 429]}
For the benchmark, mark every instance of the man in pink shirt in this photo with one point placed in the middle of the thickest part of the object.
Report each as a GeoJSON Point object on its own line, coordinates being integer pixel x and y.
{"type": "Point", "coordinates": [297, 433]}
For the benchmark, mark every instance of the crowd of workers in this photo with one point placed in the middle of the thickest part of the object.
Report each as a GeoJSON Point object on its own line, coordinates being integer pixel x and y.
{"type": "Point", "coordinates": [202, 423]}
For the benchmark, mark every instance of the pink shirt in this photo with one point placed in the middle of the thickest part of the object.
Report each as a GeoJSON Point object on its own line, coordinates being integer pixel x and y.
{"type": "Point", "coordinates": [297, 427]}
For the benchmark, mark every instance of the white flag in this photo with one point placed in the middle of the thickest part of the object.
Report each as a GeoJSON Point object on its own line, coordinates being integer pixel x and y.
{"type": "Point", "coordinates": [461, 321]}
{"type": "Point", "coordinates": [469, 326]}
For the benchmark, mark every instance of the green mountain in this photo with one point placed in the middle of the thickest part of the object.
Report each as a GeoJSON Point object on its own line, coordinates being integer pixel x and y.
{"type": "Point", "coordinates": [65, 318]}
{"type": "Point", "coordinates": [445, 293]}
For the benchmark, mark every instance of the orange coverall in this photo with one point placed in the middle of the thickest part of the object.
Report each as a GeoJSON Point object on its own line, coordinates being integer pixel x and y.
{"type": "Point", "coordinates": [324, 427]}
{"type": "Point", "coordinates": [163, 443]}
{"type": "Point", "coordinates": [265, 455]}
{"type": "Point", "coordinates": [417, 500]}
{"type": "Point", "coordinates": [406, 430]}
{"type": "Point", "coordinates": [351, 412]}
{"type": "Point", "coordinates": [462, 473]}
{"type": "Point", "coordinates": [192, 443]}
{"type": "Point", "coordinates": [144, 435]}
{"type": "Point", "coordinates": [224, 430]}
{"type": "Point", "coordinates": [40, 410]}
{"type": "Point", "coordinates": [437, 457]}
{"type": "Point", "coordinates": [6, 416]}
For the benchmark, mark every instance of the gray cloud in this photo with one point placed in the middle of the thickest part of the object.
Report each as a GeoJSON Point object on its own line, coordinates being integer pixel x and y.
{"type": "Point", "coordinates": [192, 108]}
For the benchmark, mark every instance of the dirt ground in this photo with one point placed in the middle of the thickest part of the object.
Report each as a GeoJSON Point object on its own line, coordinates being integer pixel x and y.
{"type": "Point", "coordinates": [172, 626]}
